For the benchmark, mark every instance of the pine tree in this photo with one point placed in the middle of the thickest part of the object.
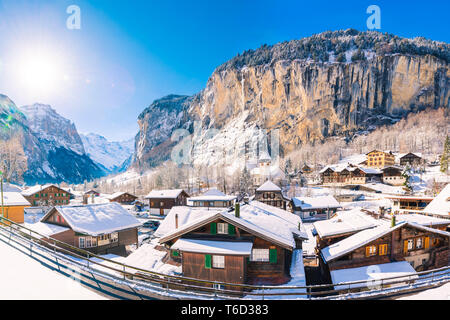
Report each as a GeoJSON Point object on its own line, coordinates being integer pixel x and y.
{"type": "Point", "coordinates": [444, 157]}
{"type": "Point", "coordinates": [406, 174]}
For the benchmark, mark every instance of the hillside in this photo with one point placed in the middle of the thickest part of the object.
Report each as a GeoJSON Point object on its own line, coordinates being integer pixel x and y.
{"type": "Point", "coordinates": [334, 84]}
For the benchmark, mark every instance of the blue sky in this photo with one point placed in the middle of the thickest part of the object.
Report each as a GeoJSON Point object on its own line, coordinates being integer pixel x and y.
{"type": "Point", "coordinates": [128, 53]}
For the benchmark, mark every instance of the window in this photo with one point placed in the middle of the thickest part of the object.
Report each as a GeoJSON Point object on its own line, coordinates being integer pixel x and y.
{"type": "Point", "coordinates": [222, 228]}
{"type": "Point", "coordinates": [218, 262]}
{"type": "Point", "coordinates": [82, 242]}
{"type": "Point", "coordinates": [260, 255]}
{"type": "Point", "coordinates": [419, 243]}
{"type": "Point", "coordinates": [371, 251]}
{"type": "Point", "coordinates": [382, 249]}
{"type": "Point", "coordinates": [410, 244]}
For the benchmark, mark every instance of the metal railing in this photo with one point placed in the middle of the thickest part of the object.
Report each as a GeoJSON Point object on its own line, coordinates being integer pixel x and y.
{"type": "Point", "coordinates": [197, 288]}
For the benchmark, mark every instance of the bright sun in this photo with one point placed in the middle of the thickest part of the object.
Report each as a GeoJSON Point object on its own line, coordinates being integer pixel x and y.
{"type": "Point", "coordinates": [39, 72]}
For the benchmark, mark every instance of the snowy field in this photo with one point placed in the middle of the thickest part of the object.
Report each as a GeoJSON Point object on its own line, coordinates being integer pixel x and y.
{"type": "Point", "coordinates": [440, 293]}
{"type": "Point", "coordinates": [27, 279]}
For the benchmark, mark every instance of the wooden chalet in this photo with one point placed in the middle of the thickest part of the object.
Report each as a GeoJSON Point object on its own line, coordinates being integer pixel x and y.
{"type": "Point", "coordinates": [314, 208]}
{"type": "Point", "coordinates": [89, 195]}
{"type": "Point", "coordinates": [252, 244]}
{"type": "Point", "coordinates": [98, 228]}
{"type": "Point", "coordinates": [342, 225]}
{"type": "Point", "coordinates": [413, 159]}
{"type": "Point", "coordinates": [47, 195]}
{"type": "Point", "coordinates": [14, 205]}
{"type": "Point", "coordinates": [122, 198]}
{"type": "Point", "coordinates": [161, 201]}
{"type": "Point", "coordinates": [212, 198]}
{"type": "Point", "coordinates": [409, 204]}
{"type": "Point", "coordinates": [349, 174]}
{"type": "Point", "coordinates": [271, 194]}
{"type": "Point", "coordinates": [422, 247]}
{"type": "Point", "coordinates": [392, 175]}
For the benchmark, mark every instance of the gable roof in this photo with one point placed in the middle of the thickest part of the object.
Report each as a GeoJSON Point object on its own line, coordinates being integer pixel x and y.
{"type": "Point", "coordinates": [164, 194]}
{"type": "Point", "coordinates": [32, 190]}
{"type": "Point", "coordinates": [319, 202]}
{"type": "Point", "coordinates": [96, 219]}
{"type": "Point", "coordinates": [346, 222]}
{"type": "Point", "coordinates": [364, 237]}
{"type": "Point", "coordinates": [441, 204]}
{"type": "Point", "coordinates": [211, 246]}
{"type": "Point", "coordinates": [269, 186]}
{"type": "Point", "coordinates": [14, 199]}
{"type": "Point", "coordinates": [118, 194]}
{"type": "Point", "coordinates": [268, 222]}
{"type": "Point", "coordinates": [212, 195]}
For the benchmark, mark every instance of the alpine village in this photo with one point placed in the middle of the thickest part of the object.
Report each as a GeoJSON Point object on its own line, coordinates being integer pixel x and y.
{"type": "Point", "coordinates": [324, 178]}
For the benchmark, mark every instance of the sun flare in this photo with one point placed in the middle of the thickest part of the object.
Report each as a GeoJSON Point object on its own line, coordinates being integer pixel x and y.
{"type": "Point", "coordinates": [40, 72]}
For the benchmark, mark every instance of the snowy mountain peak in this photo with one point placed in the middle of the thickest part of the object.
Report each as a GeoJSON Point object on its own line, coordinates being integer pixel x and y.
{"type": "Point", "coordinates": [48, 125]}
{"type": "Point", "coordinates": [109, 154]}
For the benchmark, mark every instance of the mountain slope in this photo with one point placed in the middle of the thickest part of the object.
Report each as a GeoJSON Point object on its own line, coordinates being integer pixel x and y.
{"type": "Point", "coordinates": [330, 84]}
{"type": "Point", "coordinates": [52, 147]}
{"type": "Point", "coordinates": [109, 155]}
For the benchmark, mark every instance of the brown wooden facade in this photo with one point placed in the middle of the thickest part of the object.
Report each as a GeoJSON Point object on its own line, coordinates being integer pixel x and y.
{"type": "Point", "coordinates": [49, 196]}
{"type": "Point", "coordinates": [239, 269]}
{"type": "Point", "coordinates": [423, 249]}
{"type": "Point", "coordinates": [114, 242]}
{"type": "Point", "coordinates": [162, 206]}
{"type": "Point", "coordinates": [272, 198]}
{"type": "Point", "coordinates": [411, 159]}
{"type": "Point", "coordinates": [124, 198]}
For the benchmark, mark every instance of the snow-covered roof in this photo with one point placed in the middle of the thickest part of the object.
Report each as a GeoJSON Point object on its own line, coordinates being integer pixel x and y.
{"type": "Point", "coordinates": [118, 194]}
{"type": "Point", "coordinates": [273, 171]}
{"type": "Point", "coordinates": [32, 190]}
{"type": "Point", "coordinates": [215, 247]}
{"type": "Point", "coordinates": [350, 167]}
{"type": "Point", "coordinates": [441, 204]}
{"type": "Point", "coordinates": [272, 223]}
{"type": "Point", "coordinates": [401, 155]}
{"type": "Point", "coordinates": [410, 197]}
{"type": "Point", "coordinates": [422, 219]}
{"type": "Point", "coordinates": [346, 222]}
{"type": "Point", "coordinates": [364, 237]}
{"type": "Point", "coordinates": [213, 195]}
{"type": "Point", "coordinates": [269, 186]}
{"type": "Point", "coordinates": [164, 194]}
{"type": "Point", "coordinates": [96, 219]}
{"type": "Point", "coordinates": [264, 156]}
{"type": "Point", "coordinates": [46, 229]}
{"type": "Point", "coordinates": [311, 203]}
{"type": "Point", "coordinates": [372, 274]}
{"type": "Point", "coordinates": [14, 199]}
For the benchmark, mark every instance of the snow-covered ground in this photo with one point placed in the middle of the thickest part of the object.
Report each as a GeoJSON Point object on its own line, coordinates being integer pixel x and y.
{"type": "Point", "coordinates": [27, 279]}
{"type": "Point", "coordinates": [440, 293]}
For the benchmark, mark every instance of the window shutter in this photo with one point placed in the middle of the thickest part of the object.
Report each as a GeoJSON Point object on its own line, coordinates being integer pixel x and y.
{"type": "Point", "coordinates": [427, 242]}
{"type": "Point", "coordinates": [231, 229]}
{"type": "Point", "coordinates": [273, 255]}
{"type": "Point", "coordinates": [405, 246]}
{"type": "Point", "coordinates": [367, 251]}
{"type": "Point", "coordinates": [175, 253]}
{"type": "Point", "coordinates": [214, 228]}
{"type": "Point", "coordinates": [207, 261]}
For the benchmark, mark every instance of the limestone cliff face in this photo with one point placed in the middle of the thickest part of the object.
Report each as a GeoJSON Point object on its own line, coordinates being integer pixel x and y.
{"type": "Point", "coordinates": [309, 100]}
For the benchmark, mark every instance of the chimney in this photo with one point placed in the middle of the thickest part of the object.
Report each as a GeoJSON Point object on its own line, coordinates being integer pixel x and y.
{"type": "Point", "coordinates": [176, 221]}
{"type": "Point", "coordinates": [237, 210]}
{"type": "Point", "coordinates": [393, 221]}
